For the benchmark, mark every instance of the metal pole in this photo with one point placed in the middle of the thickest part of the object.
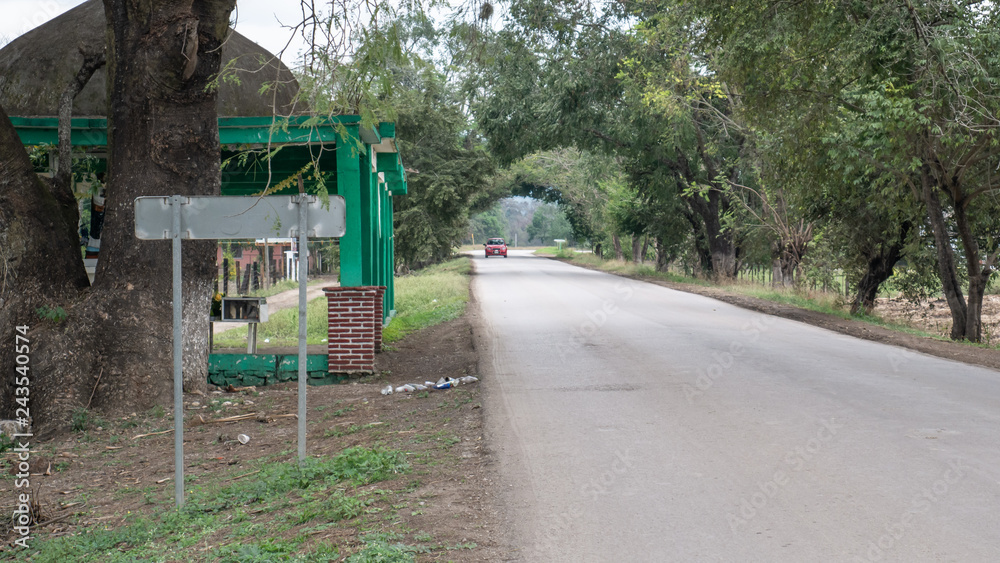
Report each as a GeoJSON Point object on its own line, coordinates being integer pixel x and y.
{"type": "Point", "coordinates": [175, 205]}
{"type": "Point", "coordinates": [303, 269]}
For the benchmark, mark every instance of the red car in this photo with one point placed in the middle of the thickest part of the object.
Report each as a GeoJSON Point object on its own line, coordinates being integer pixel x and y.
{"type": "Point", "coordinates": [495, 247]}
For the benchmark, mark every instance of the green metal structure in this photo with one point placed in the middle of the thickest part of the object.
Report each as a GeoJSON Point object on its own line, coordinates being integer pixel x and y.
{"type": "Point", "coordinates": [331, 155]}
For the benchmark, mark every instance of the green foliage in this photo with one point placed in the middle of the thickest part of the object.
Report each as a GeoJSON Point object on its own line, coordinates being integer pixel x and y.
{"type": "Point", "coordinates": [363, 466]}
{"type": "Point", "coordinates": [549, 223]}
{"type": "Point", "coordinates": [451, 164]}
{"type": "Point", "coordinates": [83, 419]}
{"type": "Point", "coordinates": [54, 314]}
{"type": "Point", "coordinates": [385, 548]}
{"type": "Point", "coordinates": [207, 511]}
{"type": "Point", "coordinates": [491, 223]}
{"type": "Point", "coordinates": [6, 443]}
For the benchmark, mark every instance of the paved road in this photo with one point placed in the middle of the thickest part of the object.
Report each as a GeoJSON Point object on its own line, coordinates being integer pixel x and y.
{"type": "Point", "coordinates": [636, 423]}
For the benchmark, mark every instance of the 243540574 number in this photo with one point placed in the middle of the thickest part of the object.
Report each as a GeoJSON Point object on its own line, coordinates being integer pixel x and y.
{"type": "Point", "coordinates": [22, 351]}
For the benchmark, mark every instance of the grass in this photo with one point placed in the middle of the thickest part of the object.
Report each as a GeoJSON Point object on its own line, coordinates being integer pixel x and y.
{"type": "Point", "coordinates": [428, 297]}
{"type": "Point", "coordinates": [564, 252]}
{"type": "Point", "coordinates": [288, 496]}
{"type": "Point", "coordinates": [282, 328]}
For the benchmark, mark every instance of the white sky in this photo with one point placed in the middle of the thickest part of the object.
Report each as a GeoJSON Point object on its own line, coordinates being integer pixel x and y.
{"type": "Point", "coordinates": [256, 19]}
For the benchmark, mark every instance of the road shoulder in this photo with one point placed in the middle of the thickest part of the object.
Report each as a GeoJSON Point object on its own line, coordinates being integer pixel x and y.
{"type": "Point", "coordinates": [940, 348]}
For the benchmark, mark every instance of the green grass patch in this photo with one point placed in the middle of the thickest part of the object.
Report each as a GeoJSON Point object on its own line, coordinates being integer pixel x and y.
{"type": "Point", "coordinates": [425, 298]}
{"type": "Point", "coordinates": [630, 269]}
{"type": "Point", "coordinates": [564, 252]}
{"type": "Point", "coordinates": [428, 297]}
{"type": "Point", "coordinates": [282, 328]}
{"type": "Point", "coordinates": [301, 493]}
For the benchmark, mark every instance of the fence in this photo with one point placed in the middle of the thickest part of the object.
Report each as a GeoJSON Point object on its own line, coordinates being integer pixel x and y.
{"type": "Point", "coordinates": [837, 282]}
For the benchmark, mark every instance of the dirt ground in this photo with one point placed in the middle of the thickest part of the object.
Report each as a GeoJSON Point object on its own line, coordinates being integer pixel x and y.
{"type": "Point", "coordinates": [445, 505]}
{"type": "Point", "coordinates": [934, 316]}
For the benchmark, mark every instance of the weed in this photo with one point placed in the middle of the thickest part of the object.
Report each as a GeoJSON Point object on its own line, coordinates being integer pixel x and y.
{"type": "Point", "coordinates": [378, 549]}
{"type": "Point", "coordinates": [363, 466]}
{"type": "Point", "coordinates": [6, 443]}
{"type": "Point", "coordinates": [54, 314]}
{"type": "Point", "coordinates": [82, 420]}
{"type": "Point", "coordinates": [343, 411]}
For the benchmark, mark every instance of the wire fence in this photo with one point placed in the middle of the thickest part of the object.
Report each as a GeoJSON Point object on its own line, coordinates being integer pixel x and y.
{"type": "Point", "coordinates": [761, 275]}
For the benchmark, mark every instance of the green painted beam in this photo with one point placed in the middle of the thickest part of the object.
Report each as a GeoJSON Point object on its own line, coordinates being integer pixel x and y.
{"type": "Point", "coordinates": [232, 130]}
{"type": "Point", "coordinates": [85, 131]}
{"type": "Point", "coordinates": [387, 129]}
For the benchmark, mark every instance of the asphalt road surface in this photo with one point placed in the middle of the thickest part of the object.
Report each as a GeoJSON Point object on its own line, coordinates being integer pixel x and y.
{"type": "Point", "coordinates": [636, 423]}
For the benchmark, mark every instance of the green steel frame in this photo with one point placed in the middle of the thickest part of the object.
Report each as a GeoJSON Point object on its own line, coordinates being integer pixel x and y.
{"type": "Point", "coordinates": [361, 162]}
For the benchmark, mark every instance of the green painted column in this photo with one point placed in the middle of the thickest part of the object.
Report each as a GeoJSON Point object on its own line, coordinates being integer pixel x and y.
{"type": "Point", "coordinates": [368, 220]}
{"type": "Point", "coordinates": [390, 299]}
{"type": "Point", "coordinates": [349, 186]}
{"type": "Point", "coordinates": [385, 274]}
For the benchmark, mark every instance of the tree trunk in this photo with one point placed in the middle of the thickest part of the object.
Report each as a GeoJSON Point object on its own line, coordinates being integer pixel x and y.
{"type": "Point", "coordinates": [163, 137]}
{"type": "Point", "coordinates": [662, 259]}
{"type": "Point", "coordinates": [721, 247]}
{"type": "Point", "coordinates": [701, 246]}
{"type": "Point", "coordinates": [645, 249]}
{"type": "Point", "coordinates": [636, 246]}
{"type": "Point", "coordinates": [617, 242]}
{"type": "Point", "coordinates": [40, 266]}
{"type": "Point", "coordinates": [880, 268]}
{"type": "Point", "coordinates": [979, 276]}
{"type": "Point", "coordinates": [163, 140]}
{"type": "Point", "coordinates": [947, 272]}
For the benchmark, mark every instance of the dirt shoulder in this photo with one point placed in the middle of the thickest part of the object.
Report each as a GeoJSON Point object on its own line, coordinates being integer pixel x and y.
{"type": "Point", "coordinates": [107, 473]}
{"type": "Point", "coordinates": [859, 329]}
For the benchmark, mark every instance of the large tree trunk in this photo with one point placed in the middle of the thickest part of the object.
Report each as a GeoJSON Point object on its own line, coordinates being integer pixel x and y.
{"type": "Point", "coordinates": [636, 248]}
{"type": "Point", "coordinates": [880, 268]}
{"type": "Point", "coordinates": [164, 140]}
{"type": "Point", "coordinates": [721, 247]}
{"type": "Point", "coordinates": [701, 246]}
{"type": "Point", "coordinates": [979, 276]}
{"type": "Point", "coordinates": [947, 271]}
{"type": "Point", "coordinates": [40, 266]}
{"type": "Point", "coordinates": [113, 351]}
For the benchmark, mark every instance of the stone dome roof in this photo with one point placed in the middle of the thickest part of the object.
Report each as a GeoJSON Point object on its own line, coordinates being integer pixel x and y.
{"type": "Point", "coordinates": [36, 67]}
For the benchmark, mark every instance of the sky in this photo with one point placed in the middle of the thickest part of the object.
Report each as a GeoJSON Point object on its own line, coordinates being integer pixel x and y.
{"type": "Point", "coordinates": [260, 20]}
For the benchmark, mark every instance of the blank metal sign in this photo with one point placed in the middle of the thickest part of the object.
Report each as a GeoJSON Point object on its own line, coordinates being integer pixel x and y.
{"type": "Point", "coordinates": [238, 217]}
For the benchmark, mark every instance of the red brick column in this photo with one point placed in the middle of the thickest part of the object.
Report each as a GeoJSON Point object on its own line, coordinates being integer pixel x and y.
{"type": "Point", "coordinates": [379, 301]}
{"type": "Point", "coordinates": [350, 329]}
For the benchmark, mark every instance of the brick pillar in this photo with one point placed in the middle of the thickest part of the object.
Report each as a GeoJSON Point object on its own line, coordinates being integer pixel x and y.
{"type": "Point", "coordinates": [350, 329]}
{"type": "Point", "coordinates": [379, 298]}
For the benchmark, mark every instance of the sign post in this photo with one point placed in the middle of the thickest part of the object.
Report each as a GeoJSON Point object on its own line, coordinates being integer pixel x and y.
{"type": "Point", "coordinates": [227, 217]}
{"type": "Point", "coordinates": [303, 268]}
{"type": "Point", "coordinates": [175, 232]}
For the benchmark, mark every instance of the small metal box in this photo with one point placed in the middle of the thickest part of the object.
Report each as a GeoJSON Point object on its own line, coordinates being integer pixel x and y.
{"type": "Point", "coordinates": [244, 310]}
